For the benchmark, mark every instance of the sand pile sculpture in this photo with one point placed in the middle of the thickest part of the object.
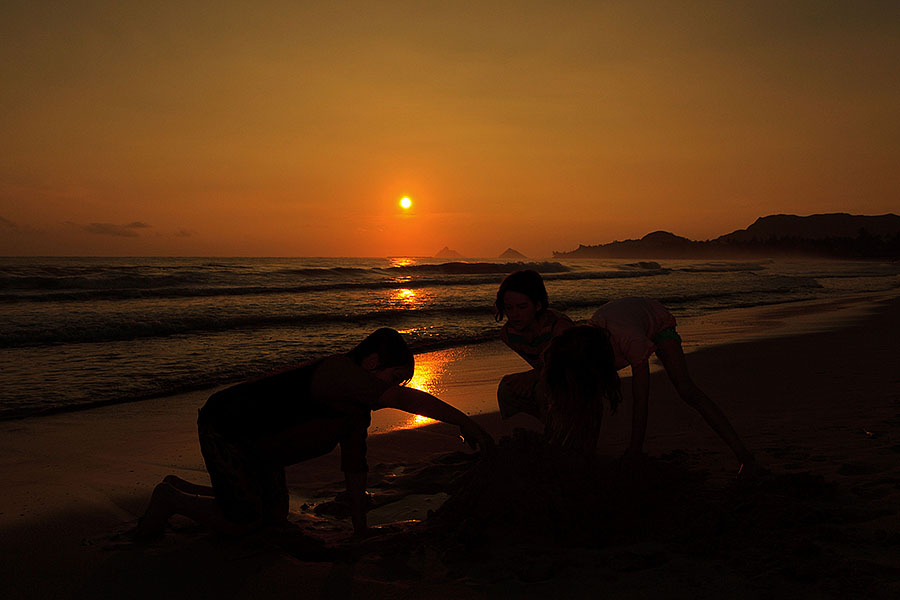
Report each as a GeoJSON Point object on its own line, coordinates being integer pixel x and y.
{"type": "Point", "coordinates": [533, 510]}
{"type": "Point", "coordinates": [534, 492]}
{"type": "Point", "coordinates": [528, 489]}
{"type": "Point", "coordinates": [534, 513]}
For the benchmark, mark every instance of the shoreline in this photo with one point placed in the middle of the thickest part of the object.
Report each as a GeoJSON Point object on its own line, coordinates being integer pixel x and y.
{"type": "Point", "coordinates": [473, 390]}
{"type": "Point", "coordinates": [715, 328]}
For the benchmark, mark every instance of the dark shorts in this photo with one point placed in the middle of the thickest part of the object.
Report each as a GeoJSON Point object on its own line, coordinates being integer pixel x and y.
{"type": "Point", "coordinates": [247, 488]}
{"type": "Point", "coordinates": [668, 333]}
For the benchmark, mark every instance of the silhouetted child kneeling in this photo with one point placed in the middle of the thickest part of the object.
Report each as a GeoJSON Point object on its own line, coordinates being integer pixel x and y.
{"type": "Point", "coordinates": [251, 431]}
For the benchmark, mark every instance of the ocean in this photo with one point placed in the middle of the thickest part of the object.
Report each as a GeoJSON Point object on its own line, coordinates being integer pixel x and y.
{"type": "Point", "coordinates": [78, 332]}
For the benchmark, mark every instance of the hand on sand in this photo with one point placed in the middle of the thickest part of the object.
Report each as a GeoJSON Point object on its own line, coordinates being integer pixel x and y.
{"type": "Point", "coordinates": [477, 438]}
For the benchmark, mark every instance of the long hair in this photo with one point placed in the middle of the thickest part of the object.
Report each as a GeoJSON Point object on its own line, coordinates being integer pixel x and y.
{"type": "Point", "coordinates": [527, 282]}
{"type": "Point", "coordinates": [580, 379]}
{"type": "Point", "coordinates": [391, 349]}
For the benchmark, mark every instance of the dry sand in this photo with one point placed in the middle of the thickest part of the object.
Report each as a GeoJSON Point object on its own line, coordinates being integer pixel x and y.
{"type": "Point", "coordinates": [821, 410]}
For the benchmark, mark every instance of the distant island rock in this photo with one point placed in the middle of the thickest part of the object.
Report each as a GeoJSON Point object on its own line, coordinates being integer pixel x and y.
{"type": "Point", "coordinates": [514, 254]}
{"type": "Point", "coordinates": [659, 244]}
{"type": "Point", "coordinates": [835, 235]}
{"type": "Point", "coordinates": [446, 252]}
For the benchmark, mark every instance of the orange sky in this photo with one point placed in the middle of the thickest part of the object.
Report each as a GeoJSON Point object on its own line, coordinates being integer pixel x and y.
{"type": "Point", "coordinates": [289, 128]}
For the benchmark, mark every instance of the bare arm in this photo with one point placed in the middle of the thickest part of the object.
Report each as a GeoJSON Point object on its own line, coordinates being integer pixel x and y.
{"type": "Point", "coordinates": [640, 393]}
{"type": "Point", "coordinates": [418, 402]}
{"type": "Point", "coordinates": [356, 489]}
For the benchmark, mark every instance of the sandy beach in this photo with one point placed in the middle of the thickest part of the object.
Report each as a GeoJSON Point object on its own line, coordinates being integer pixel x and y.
{"type": "Point", "coordinates": [821, 410]}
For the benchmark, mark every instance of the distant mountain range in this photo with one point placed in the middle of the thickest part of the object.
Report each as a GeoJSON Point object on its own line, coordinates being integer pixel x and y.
{"type": "Point", "coordinates": [837, 235]}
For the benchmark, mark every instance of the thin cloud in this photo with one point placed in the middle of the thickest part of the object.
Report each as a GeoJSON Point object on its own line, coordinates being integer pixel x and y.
{"type": "Point", "coordinates": [112, 229]}
{"type": "Point", "coordinates": [8, 225]}
{"type": "Point", "coordinates": [182, 232]}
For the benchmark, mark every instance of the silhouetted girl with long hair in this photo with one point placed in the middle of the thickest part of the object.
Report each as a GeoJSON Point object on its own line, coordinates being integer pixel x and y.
{"type": "Point", "coordinates": [580, 384]}
{"type": "Point", "coordinates": [578, 368]}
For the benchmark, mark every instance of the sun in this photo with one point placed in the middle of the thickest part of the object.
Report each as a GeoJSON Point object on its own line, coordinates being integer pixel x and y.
{"type": "Point", "coordinates": [405, 203]}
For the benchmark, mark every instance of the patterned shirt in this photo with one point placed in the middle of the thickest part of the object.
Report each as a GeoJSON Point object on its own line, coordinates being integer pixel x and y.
{"type": "Point", "coordinates": [532, 350]}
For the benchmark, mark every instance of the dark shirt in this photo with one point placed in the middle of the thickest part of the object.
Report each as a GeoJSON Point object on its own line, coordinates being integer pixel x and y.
{"type": "Point", "coordinates": [330, 388]}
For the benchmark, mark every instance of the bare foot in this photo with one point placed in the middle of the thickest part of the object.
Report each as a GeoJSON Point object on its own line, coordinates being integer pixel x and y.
{"type": "Point", "coordinates": [187, 487]}
{"type": "Point", "coordinates": [174, 480]}
{"type": "Point", "coordinates": [156, 516]}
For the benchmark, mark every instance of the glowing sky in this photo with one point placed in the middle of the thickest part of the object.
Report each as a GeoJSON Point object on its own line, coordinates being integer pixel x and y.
{"type": "Point", "coordinates": [290, 128]}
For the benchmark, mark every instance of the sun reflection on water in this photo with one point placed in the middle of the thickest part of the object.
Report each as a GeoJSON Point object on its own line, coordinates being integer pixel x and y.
{"type": "Point", "coordinates": [398, 261]}
{"type": "Point", "coordinates": [404, 296]}
{"type": "Point", "coordinates": [431, 370]}
{"type": "Point", "coordinates": [434, 374]}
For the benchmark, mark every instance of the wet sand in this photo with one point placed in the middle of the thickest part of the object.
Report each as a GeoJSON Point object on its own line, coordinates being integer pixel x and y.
{"type": "Point", "coordinates": [821, 410]}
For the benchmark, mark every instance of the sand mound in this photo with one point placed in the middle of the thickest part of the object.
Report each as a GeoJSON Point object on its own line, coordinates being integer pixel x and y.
{"type": "Point", "coordinates": [534, 513]}
{"type": "Point", "coordinates": [534, 492]}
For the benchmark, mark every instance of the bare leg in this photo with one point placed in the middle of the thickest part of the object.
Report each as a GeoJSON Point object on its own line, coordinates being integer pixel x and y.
{"type": "Point", "coordinates": [167, 500]}
{"type": "Point", "coordinates": [188, 487]}
{"type": "Point", "coordinates": [672, 357]}
{"type": "Point", "coordinates": [517, 392]}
